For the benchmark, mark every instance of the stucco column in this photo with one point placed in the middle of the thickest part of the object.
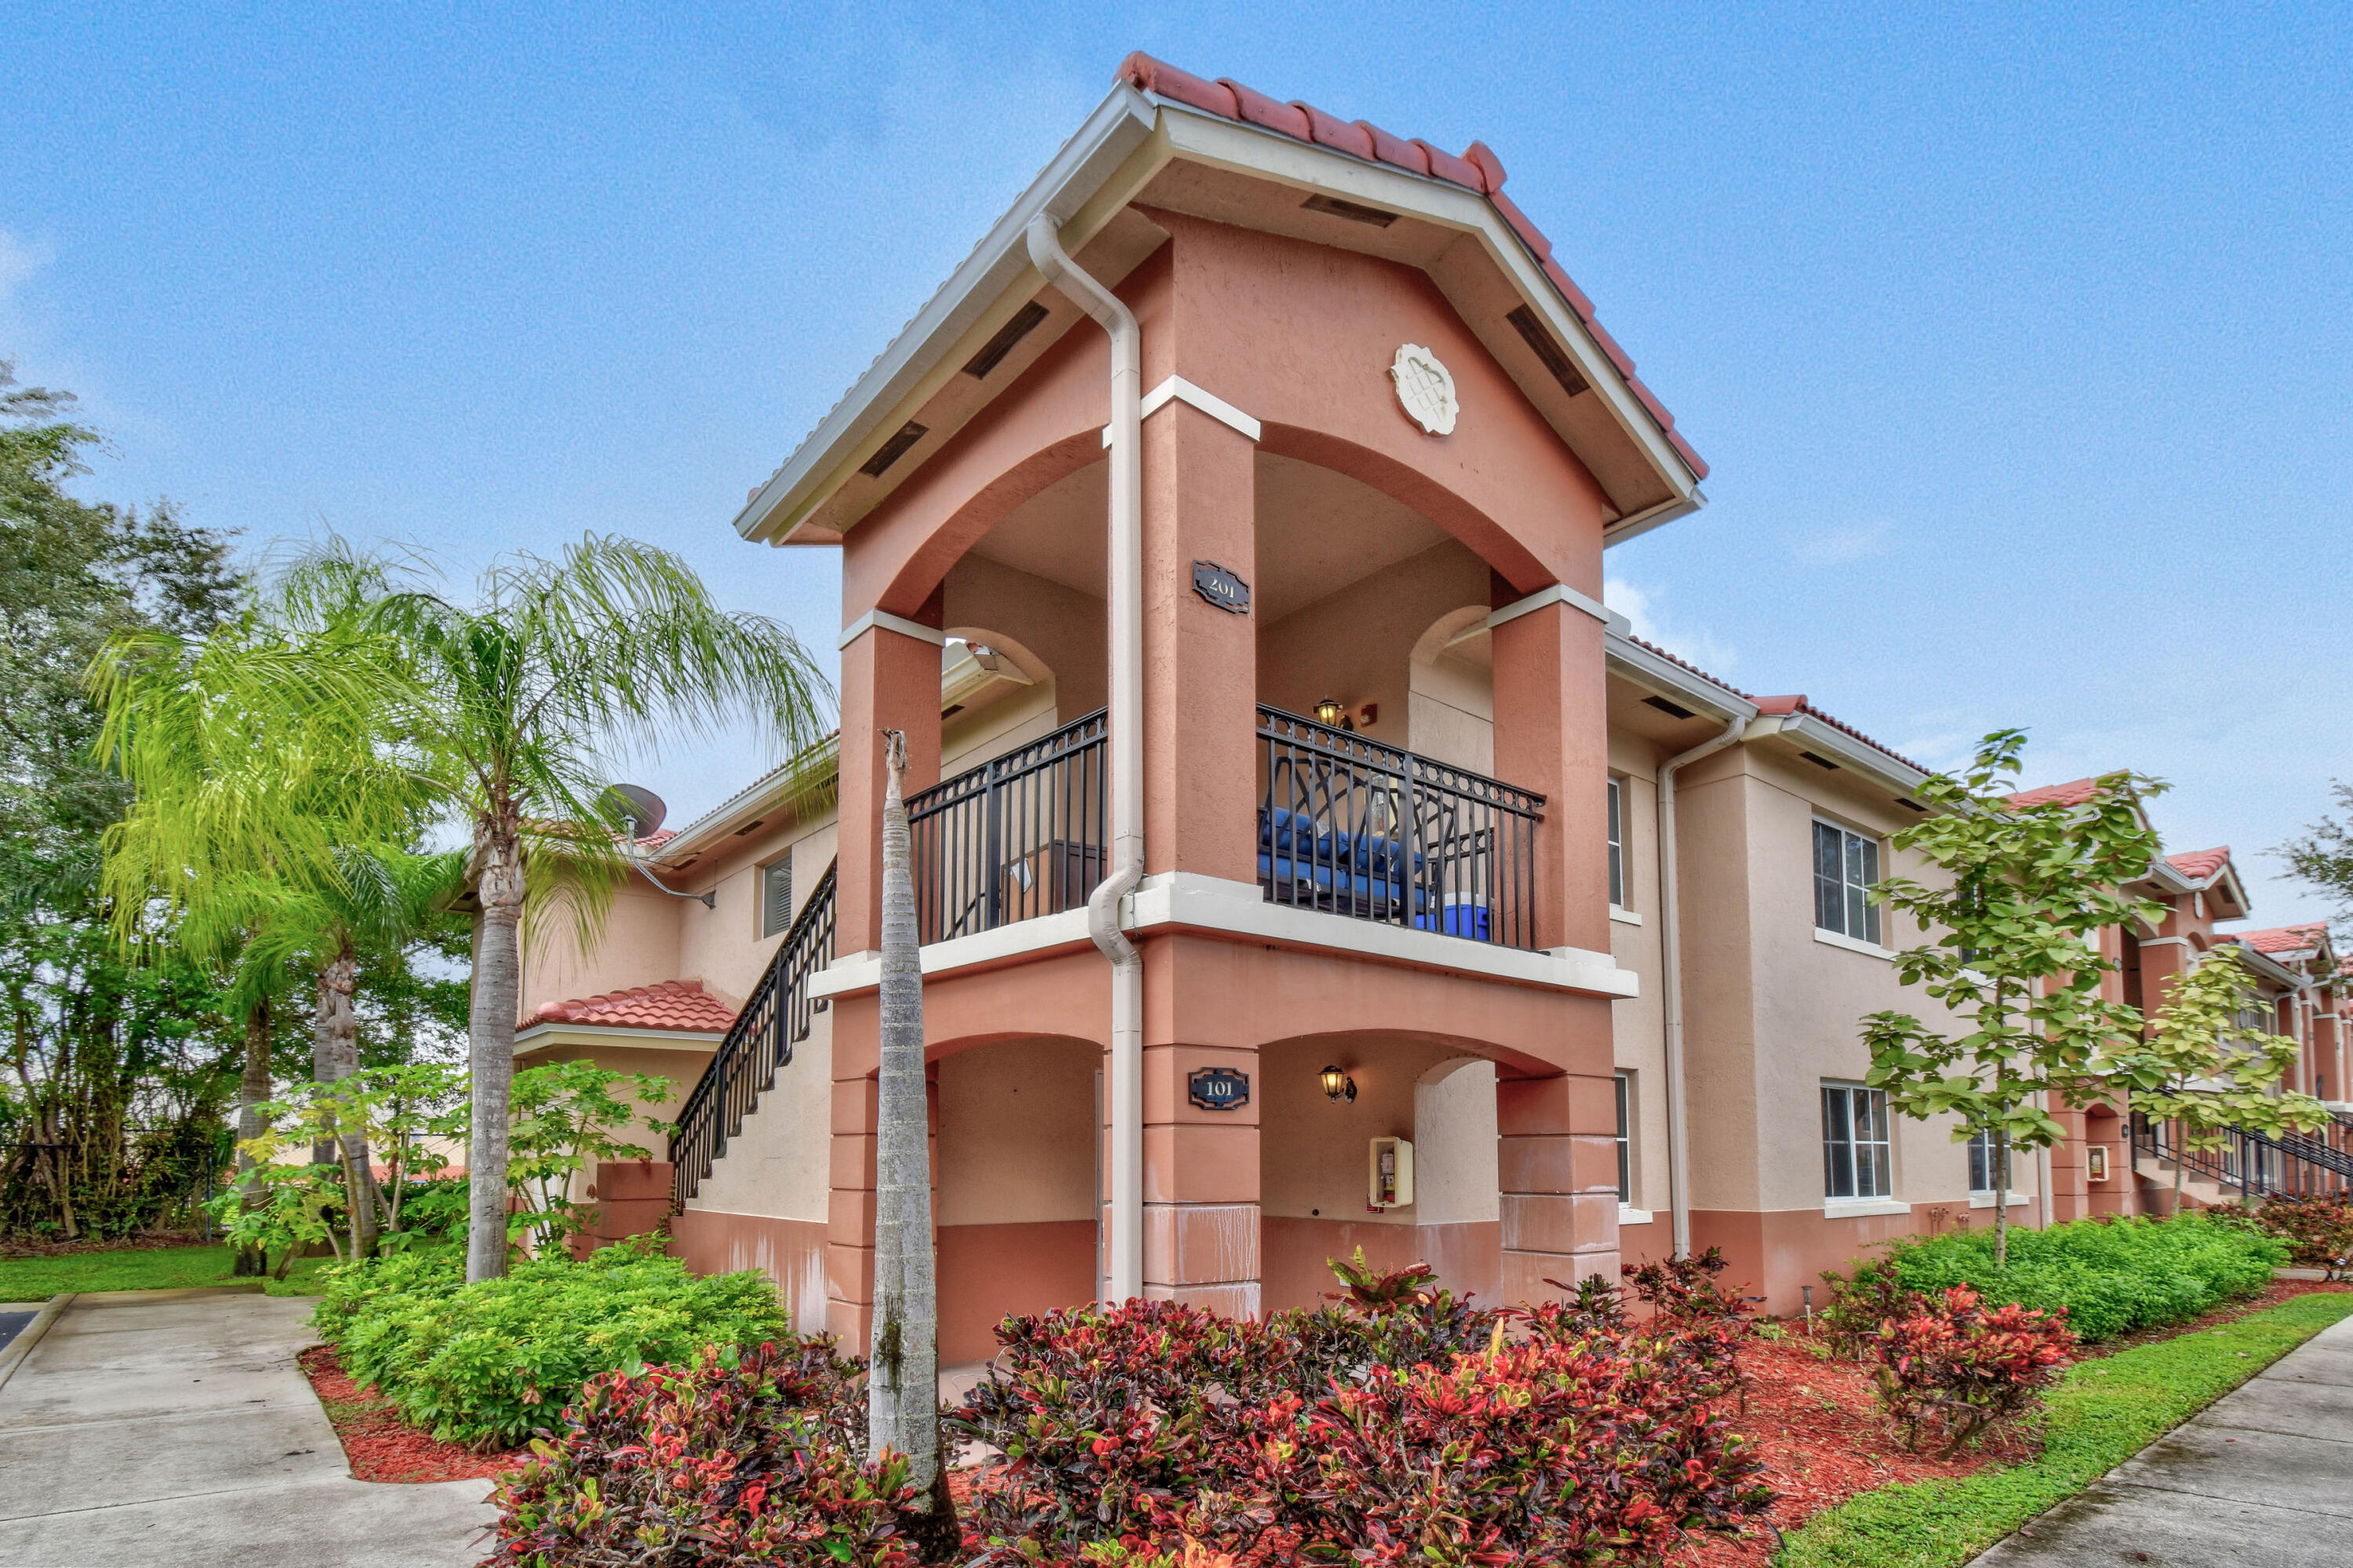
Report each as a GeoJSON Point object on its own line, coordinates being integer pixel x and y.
{"type": "Point", "coordinates": [1552, 737]}
{"type": "Point", "coordinates": [1200, 663]}
{"type": "Point", "coordinates": [1200, 1166]}
{"type": "Point", "coordinates": [1557, 1168]}
{"type": "Point", "coordinates": [890, 680]}
{"type": "Point", "coordinates": [850, 1198]}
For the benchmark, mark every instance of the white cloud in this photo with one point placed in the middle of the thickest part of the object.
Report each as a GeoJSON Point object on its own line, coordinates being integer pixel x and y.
{"type": "Point", "coordinates": [1841, 546]}
{"type": "Point", "coordinates": [1645, 609]}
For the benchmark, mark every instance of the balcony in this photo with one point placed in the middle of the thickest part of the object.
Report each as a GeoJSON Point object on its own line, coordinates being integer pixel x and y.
{"type": "Point", "coordinates": [1351, 827]}
{"type": "Point", "coordinates": [1345, 827]}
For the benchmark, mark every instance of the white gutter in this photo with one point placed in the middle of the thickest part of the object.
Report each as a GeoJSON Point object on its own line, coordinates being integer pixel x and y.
{"type": "Point", "coordinates": [1671, 983]}
{"type": "Point", "coordinates": [1124, 1257]}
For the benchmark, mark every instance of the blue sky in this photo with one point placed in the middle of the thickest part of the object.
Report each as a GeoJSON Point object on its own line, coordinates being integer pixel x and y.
{"type": "Point", "coordinates": [2018, 337]}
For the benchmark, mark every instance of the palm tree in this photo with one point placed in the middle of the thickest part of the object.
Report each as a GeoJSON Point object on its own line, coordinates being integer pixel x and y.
{"type": "Point", "coordinates": [247, 845]}
{"type": "Point", "coordinates": [509, 706]}
{"type": "Point", "coordinates": [903, 1384]}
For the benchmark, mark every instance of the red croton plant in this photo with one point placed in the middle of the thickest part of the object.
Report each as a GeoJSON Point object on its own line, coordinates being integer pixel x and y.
{"type": "Point", "coordinates": [1950, 1368]}
{"type": "Point", "coordinates": [1400, 1423]}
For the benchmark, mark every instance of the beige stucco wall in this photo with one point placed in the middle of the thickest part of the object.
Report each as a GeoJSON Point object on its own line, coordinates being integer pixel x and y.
{"type": "Point", "coordinates": [1356, 644]}
{"type": "Point", "coordinates": [1017, 1141]}
{"type": "Point", "coordinates": [775, 1166]}
{"type": "Point", "coordinates": [1639, 1022]}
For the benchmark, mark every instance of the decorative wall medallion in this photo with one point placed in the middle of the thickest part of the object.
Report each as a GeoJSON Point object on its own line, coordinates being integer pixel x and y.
{"type": "Point", "coordinates": [1218, 1088]}
{"type": "Point", "coordinates": [1426, 388]}
{"type": "Point", "coordinates": [1220, 586]}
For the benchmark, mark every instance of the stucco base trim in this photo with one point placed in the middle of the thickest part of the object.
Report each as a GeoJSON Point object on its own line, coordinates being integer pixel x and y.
{"type": "Point", "coordinates": [1468, 1256]}
{"type": "Point", "coordinates": [789, 1252]}
{"type": "Point", "coordinates": [988, 1271]}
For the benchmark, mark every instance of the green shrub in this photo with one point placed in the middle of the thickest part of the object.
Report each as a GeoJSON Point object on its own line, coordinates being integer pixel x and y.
{"type": "Point", "coordinates": [2112, 1276]}
{"type": "Point", "coordinates": [488, 1363]}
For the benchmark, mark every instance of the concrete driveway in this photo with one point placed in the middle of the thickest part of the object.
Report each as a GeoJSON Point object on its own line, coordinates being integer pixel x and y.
{"type": "Point", "coordinates": [174, 1427]}
{"type": "Point", "coordinates": [2264, 1475]}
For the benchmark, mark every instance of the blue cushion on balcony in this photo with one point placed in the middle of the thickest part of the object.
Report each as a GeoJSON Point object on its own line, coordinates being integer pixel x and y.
{"type": "Point", "coordinates": [1370, 852]}
{"type": "Point", "coordinates": [1329, 880]}
{"type": "Point", "coordinates": [1472, 920]}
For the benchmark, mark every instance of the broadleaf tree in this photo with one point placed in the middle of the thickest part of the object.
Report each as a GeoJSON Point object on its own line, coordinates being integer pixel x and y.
{"type": "Point", "coordinates": [2011, 926]}
{"type": "Point", "coordinates": [2207, 1068]}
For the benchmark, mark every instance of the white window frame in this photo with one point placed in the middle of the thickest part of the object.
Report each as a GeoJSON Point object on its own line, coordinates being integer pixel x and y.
{"type": "Point", "coordinates": [1980, 1147]}
{"type": "Point", "coordinates": [783, 863]}
{"type": "Point", "coordinates": [1625, 1138]}
{"type": "Point", "coordinates": [1876, 1185]}
{"type": "Point", "coordinates": [1860, 858]}
{"type": "Point", "coordinates": [1617, 845]}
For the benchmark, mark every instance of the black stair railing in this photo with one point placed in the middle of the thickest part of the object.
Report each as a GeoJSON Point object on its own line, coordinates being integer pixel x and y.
{"type": "Point", "coordinates": [1019, 836]}
{"type": "Point", "coordinates": [776, 1017]}
{"type": "Point", "coordinates": [1349, 826]}
{"type": "Point", "coordinates": [2254, 1163]}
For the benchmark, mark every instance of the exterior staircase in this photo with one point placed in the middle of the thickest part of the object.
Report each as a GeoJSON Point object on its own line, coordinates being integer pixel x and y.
{"type": "Point", "coordinates": [2249, 1164]}
{"type": "Point", "coordinates": [776, 1018]}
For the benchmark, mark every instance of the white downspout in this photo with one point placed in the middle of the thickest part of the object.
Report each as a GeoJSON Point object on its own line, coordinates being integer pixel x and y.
{"type": "Point", "coordinates": [1671, 986]}
{"type": "Point", "coordinates": [1124, 1265]}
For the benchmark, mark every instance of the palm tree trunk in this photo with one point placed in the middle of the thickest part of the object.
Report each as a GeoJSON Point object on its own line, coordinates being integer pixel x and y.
{"type": "Point", "coordinates": [252, 1091]}
{"type": "Point", "coordinates": [903, 1377]}
{"type": "Point", "coordinates": [497, 984]}
{"type": "Point", "coordinates": [339, 1031]}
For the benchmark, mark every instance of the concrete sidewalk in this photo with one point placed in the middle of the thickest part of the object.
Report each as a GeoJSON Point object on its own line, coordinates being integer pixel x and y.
{"type": "Point", "coordinates": [2265, 1475]}
{"type": "Point", "coordinates": [174, 1427]}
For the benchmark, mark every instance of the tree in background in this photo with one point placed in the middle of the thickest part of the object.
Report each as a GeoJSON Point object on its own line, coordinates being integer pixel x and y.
{"type": "Point", "coordinates": [2012, 952]}
{"type": "Point", "coordinates": [2206, 1068]}
{"type": "Point", "coordinates": [116, 1074]}
{"type": "Point", "coordinates": [509, 704]}
{"type": "Point", "coordinates": [2324, 855]}
{"type": "Point", "coordinates": [269, 826]}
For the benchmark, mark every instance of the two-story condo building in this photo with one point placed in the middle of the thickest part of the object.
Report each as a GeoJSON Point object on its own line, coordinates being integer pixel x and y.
{"type": "Point", "coordinates": [1305, 858]}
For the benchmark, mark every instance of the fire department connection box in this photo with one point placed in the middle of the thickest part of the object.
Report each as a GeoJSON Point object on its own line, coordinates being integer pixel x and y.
{"type": "Point", "coordinates": [1392, 1173]}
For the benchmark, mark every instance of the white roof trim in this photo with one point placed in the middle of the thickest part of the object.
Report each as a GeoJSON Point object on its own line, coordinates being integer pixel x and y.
{"type": "Point", "coordinates": [890, 622]}
{"type": "Point", "coordinates": [1177, 389]}
{"type": "Point", "coordinates": [1560, 593]}
{"type": "Point", "coordinates": [547, 1027]}
{"type": "Point", "coordinates": [1120, 125]}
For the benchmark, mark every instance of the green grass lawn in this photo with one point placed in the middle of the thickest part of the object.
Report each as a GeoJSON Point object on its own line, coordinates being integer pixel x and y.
{"type": "Point", "coordinates": [143, 1268]}
{"type": "Point", "coordinates": [2107, 1411]}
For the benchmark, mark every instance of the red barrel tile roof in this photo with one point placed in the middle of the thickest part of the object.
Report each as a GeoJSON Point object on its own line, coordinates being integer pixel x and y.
{"type": "Point", "coordinates": [1477, 169]}
{"type": "Point", "coordinates": [2074, 792]}
{"type": "Point", "coordinates": [2200, 863]}
{"type": "Point", "coordinates": [2284, 938]}
{"type": "Point", "coordinates": [673, 1004]}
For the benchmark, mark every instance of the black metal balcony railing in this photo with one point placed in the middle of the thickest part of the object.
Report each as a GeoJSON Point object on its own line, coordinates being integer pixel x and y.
{"type": "Point", "coordinates": [1348, 826]}
{"type": "Point", "coordinates": [776, 1017]}
{"type": "Point", "coordinates": [2251, 1162]}
{"type": "Point", "coordinates": [1020, 836]}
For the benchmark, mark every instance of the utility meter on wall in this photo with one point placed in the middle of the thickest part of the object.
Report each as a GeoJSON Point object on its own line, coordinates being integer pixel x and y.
{"type": "Point", "coordinates": [1392, 1173]}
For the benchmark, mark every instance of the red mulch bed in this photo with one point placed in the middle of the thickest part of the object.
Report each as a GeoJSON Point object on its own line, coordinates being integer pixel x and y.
{"type": "Point", "coordinates": [381, 1446]}
{"type": "Point", "coordinates": [1818, 1424]}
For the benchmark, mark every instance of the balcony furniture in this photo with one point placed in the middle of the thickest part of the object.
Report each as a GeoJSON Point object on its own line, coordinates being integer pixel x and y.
{"type": "Point", "coordinates": [1347, 826]}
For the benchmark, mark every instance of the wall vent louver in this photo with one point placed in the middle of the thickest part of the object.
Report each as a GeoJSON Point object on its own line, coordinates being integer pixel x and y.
{"type": "Point", "coordinates": [1555, 359]}
{"type": "Point", "coordinates": [895, 449]}
{"type": "Point", "coordinates": [1354, 212]}
{"type": "Point", "coordinates": [992, 352]}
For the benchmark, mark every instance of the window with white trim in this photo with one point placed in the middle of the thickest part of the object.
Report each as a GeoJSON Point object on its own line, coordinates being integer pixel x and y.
{"type": "Point", "coordinates": [1846, 868]}
{"type": "Point", "coordinates": [1981, 1154]}
{"type": "Point", "coordinates": [1617, 853]}
{"type": "Point", "coordinates": [1857, 1162]}
{"type": "Point", "coordinates": [1625, 1141]}
{"type": "Point", "coordinates": [777, 897]}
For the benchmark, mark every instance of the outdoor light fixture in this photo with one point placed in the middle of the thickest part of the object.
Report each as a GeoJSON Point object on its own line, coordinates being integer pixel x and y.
{"type": "Point", "coordinates": [1338, 1086]}
{"type": "Point", "coordinates": [1330, 711]}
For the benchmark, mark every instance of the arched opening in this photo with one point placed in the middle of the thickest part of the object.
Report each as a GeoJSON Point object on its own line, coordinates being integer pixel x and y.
{"type": "Point", "coordinates": [1316, 1163]}
{"type": "Point", "coordinates": [1016, 1179]}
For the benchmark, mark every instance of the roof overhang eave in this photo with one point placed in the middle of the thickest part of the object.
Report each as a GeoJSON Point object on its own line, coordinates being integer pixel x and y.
{"type": "Point", "coordinates": [1084, 171]}
{"type": "Point", "coordinates": [1663, 677]}
{"type": "Point", "coordinates": [1120, 124]}
{"type": "Point", "coordinates": [1809, 734]}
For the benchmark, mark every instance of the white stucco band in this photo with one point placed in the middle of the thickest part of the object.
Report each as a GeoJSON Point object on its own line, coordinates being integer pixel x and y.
{"type": "Point", "coordinates": [1176, 389]}
{"type": "Point", "coordinates": [890, 622]}
{"type": "Point", "coordinates": [1560, 593]}
{"type": "Point", "coordinates": [1191, 902]}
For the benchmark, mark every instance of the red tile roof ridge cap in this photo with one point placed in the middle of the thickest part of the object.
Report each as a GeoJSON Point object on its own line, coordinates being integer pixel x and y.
{"type": "Point", "coordinates": [2200, 863]}
{"type": "Point", "coordinates": [2282, 938]}
{"type": "Point", "coordinates": [1477, 168]}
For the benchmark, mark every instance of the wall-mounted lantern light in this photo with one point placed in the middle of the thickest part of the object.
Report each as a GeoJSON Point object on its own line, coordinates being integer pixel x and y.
{"type": "Point", "coordinates": [1338, 1086]}
{"type": "Point", "coordinates": [1329, 710]}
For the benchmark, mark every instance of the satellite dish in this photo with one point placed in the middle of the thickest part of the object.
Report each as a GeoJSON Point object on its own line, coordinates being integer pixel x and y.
{"type": "Point", "coordinates": [639, 807]}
